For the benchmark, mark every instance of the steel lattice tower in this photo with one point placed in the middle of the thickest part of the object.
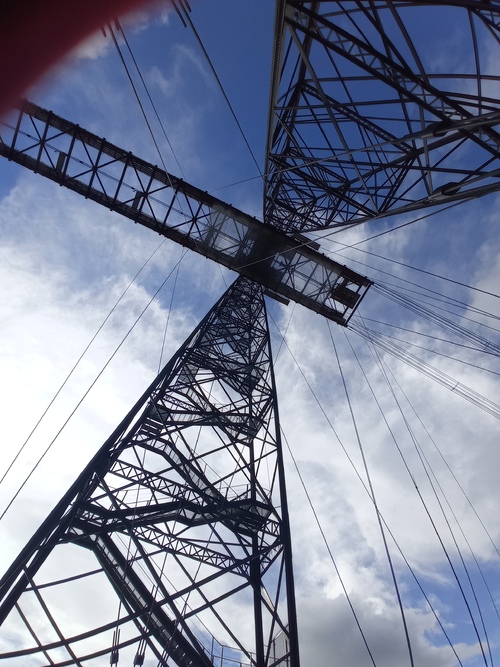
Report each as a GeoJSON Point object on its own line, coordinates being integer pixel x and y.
{"type": "Point", "coordinates": [367, 122]}
{"type": "Point", "coordinates": [182, 511]}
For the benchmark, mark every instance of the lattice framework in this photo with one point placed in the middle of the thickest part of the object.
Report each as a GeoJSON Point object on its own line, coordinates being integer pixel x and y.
{"type": "Point", "coordinates": [183, 511]}
{"type": "Point", "coordinates": [365, 123]}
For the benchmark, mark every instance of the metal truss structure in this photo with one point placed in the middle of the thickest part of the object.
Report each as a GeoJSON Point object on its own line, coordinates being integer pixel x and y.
{"type": "Point", "coordinates": [369, 119]}
{"type": "Point", "coordinates": [182, 512]}
{"type": "Point", "coordinates": [288, 266]}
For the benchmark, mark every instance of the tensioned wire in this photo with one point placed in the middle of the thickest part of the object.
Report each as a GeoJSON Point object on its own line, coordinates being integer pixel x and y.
{"type": "Point", "coordinates": [155, 585]}
{"type": "Point", "coordinates": [433, 351]}
{"type": "Point", "coordinates": [426, 464]}
{"type": "Point", "coordinates": [422, 334]}
{"type": "Point", "coordinates": [367, 490]}
{"type": "Point", "coordinates": [374, 501]}
{"type": "Point", "coordinates": [478, 342]}
{"type": "Point", "coordinates": [188, 20]}
{"type": "Point", "coordinates": [435, 484]}
{"type": "Point", "coordinates": [415, 304]}
{"type": "Point", "coordinates": [428, 468]}
{"type": "Point", "coordinates": [153, 105]}
{"type": "Point", "coordinates": [89, 344]}
{"type": "Point", "coordinates": [391, 432]}
{"type": "Point", "coordinates": [354, 246]}
{"type": "Point", "coordinates": [480, 345]}
{"type": "Point", "coordinates": [379, 362]}
{"type": "Point", "coordinates": [422, 290]}
{"type": "Point", "coordinates": [450, 470]}
{"type": "Point", "coordinates": [431, 371]}
{"type": "Point", "coordinates": [257, 166]}
{"type": "Point", "coordinates": [453, 569]}
{"type": "Point", "coordinates": [391, 344]}
{"type": "Point", "coordinates": [306, 491]}
{"type": "Point", "coordinates": [138, 99]}
{"type": "Point", "coordinates": [425, 293]}
{"type": "Point", "coordinates": [120, 344]}
{"type": "Point", "coordinates": [430, 294]}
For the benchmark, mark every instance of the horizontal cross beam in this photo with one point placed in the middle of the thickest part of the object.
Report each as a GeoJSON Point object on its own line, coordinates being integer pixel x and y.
{"type": "Point", "coordinates": [288, 266]}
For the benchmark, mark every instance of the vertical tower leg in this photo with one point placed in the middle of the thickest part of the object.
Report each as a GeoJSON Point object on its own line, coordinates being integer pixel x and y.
{"type": "Point", "coordinates": [182, 515]}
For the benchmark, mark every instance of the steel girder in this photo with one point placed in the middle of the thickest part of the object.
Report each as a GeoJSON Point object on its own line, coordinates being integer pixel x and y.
{"type": "Point", "coordinates": [288, 266]}
{"type": "Point", "coordinates": [182, 513]}
{"type": "Point", "coordinates": [376, 109]}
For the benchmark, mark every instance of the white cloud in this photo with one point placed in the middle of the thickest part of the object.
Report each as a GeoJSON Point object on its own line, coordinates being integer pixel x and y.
{"type": "Point", "coordinates": [64, 263]}
{"type": "Point", "coordinates": [95, 46]}
{"type": "Point", "coordinates": [328, 632]}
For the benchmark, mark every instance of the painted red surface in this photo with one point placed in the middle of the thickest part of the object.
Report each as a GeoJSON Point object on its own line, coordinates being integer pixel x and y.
{"type": "Point", "coordinates": [35, 34]}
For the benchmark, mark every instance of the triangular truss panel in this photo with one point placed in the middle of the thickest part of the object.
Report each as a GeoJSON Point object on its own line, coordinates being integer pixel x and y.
{"type": "Point", "coordinates": [375, 110]}
{"type": "Point", "coordinates": [288, 266]}
{"type": "Point", "coordinates": [173, 544]}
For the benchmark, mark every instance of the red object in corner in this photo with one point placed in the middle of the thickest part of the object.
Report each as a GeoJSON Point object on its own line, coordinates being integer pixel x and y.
{"type": "Point", "coordinates": [35, 34]}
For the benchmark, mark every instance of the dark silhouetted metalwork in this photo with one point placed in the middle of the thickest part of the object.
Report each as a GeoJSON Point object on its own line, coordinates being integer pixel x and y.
{"type": "Point", "coordinates": [288, 266]}
{"type": "Point", "coordinates": [182, 513]}
{"type": "Point", "coordinates": [372, 115]}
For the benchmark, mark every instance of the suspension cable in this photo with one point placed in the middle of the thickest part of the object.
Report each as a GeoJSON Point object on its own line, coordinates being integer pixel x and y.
{"type": "Point", "coordinates": [387, 528]}
{"type": "Point", "coordinates": [393, 437]}
{"type": "Point", "coordinates": [424, 293]}
{"type": "Point", "coordinates": [137, 97]}
{"type": "Point", "coordinates": [423, 334]}
{"type": "Point", "coordinates": [132, 327]}
{"type": "Point", "coordinates": [430, 315]}
{"type": "Point", "coordinates": [146, 88]}
{"type": "Point", "coordinates": [431, 471]}
{"type": "Point", "coordinates": [330, 553]}
{"type": "Point", "coordinates": [435, 374]}
{"type": "Point", "coordinates": [73, 369]}
{"type": "Point", "coordinates": [436, 352]}
{"type": "Point", "coordinates": [354, 246]}
{"type": "Point", "coordinates": [381, 366]}
{"type": "Point", "coordinates": [374, 500]}
{"type": "Point", "coordinates": [306, 491]}
{"type": "Point", "coordinates": [188, 20]}
{"type": "Point", "coordinates": [160, 361]}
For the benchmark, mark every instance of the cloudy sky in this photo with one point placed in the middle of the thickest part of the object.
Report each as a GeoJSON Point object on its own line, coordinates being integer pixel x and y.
{"type": "Point", "coordinates": [432, 455]}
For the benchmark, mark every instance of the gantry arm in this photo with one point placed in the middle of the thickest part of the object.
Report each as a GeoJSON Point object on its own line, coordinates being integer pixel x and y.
{"type": "Point", "coordinates": [286, 265]}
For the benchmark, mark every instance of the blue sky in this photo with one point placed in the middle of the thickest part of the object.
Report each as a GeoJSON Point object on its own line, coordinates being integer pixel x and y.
{"type": "Point", "coordinates": [65, 262]}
